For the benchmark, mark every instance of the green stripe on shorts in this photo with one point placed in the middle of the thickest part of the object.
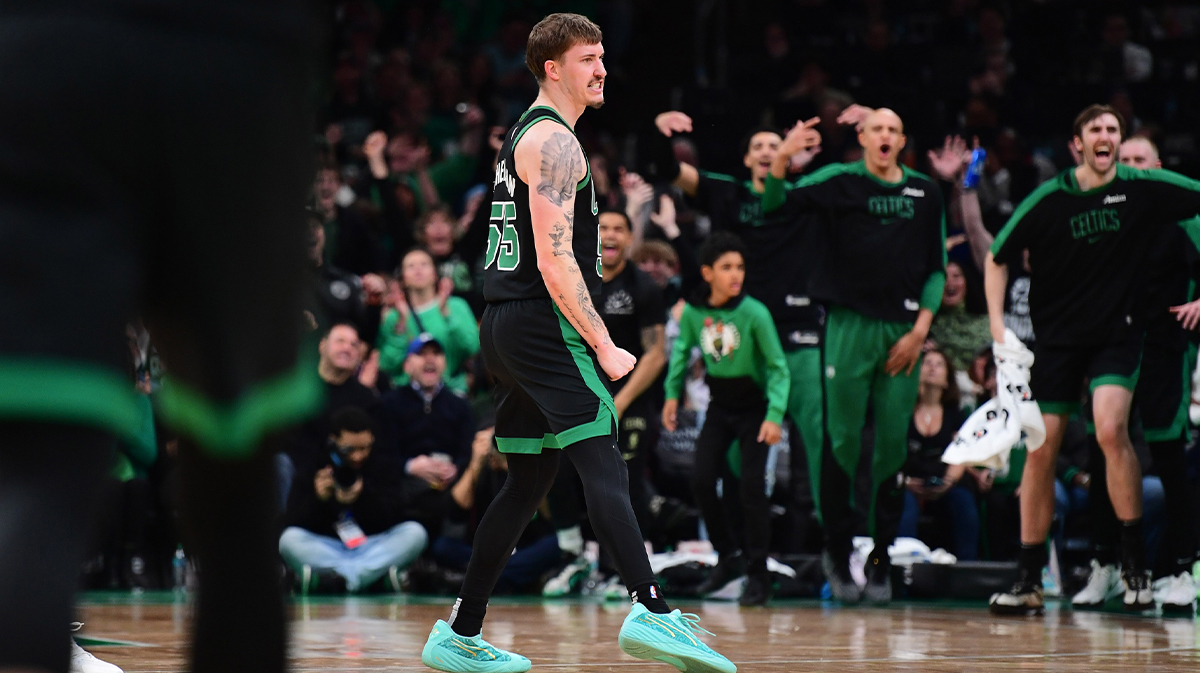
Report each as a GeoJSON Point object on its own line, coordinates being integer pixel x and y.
{"type": "Point", "coordinates": [607, 411]}
{"type": "Point", "coordinates": [234, 429]}
{"type": "Point", "coordinates": [1178, 427]}
{"type": "Point", "coordinates": [1060, 408]}
{"type": "Point", "coordinates": [76, 392]}
{"type": "Point", "coordinates": [526, 444]}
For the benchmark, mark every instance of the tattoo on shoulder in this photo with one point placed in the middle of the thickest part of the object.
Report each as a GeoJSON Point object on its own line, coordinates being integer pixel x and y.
{"type": "Point", "coordinates": [561, 165]}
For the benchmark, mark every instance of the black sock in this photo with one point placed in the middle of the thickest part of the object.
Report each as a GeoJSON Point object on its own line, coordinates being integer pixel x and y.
{"type": "Point", "coordinates": [467, 616]}
{"type": "Point", "coordinates": [650, 595]}
{"type": "Point", "coordinates": [1032, 559]}
{"type": "Point", "coordinates": [1133, 551]}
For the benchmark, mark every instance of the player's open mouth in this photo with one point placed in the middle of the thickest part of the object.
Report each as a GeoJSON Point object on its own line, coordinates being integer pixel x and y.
{"type": "Point", "coordinates": [1103, 151]}
{"type": "Point", "coordinates": [884, 150]}
{"type": "Point", "coordinates": [597, 86]}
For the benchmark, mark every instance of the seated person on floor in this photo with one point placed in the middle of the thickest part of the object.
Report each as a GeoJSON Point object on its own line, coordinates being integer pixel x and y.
{"type": "Point", "coordinates": [347, 525]}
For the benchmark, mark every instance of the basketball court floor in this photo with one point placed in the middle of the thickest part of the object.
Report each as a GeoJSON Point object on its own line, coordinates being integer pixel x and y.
{"type": "Point", "coordinates": [148, 633]}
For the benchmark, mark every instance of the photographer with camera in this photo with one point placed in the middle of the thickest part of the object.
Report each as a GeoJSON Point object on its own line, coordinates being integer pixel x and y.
{"type": "Point", "coordinates": [346, 521]}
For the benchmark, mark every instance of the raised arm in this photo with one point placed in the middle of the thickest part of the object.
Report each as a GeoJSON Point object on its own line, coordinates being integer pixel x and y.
{"type": "Point", "coordinates": [683, 175]}
{"type": "Point", "coordinates": [995, 283]}
{"type": "Point", "coordinates": [551, 162]}
{"type": "Point", "coordinates": [949, 164]}
{"type": "Point", "coordinates": [800, 138]}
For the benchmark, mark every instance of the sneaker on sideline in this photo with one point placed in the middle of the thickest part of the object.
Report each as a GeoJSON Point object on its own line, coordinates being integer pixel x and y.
{"type": "Point", "coordinates": [1104, 584]}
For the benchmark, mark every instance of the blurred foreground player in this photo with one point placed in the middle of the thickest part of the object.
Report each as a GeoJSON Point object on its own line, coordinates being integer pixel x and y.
{"type": "Point", "coordinates": [154, 158]}
{"type": "Point", "coordinates": [547, 347]}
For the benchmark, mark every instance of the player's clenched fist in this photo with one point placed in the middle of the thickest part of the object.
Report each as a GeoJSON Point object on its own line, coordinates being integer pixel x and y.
{"type": "Point", "coordinates": [616, 362]}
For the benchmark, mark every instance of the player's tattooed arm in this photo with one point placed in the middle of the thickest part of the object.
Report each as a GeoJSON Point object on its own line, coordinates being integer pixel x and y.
{"type": "Point", "coordinates": [563, 237]}
{"type": "Point", "coordinates": [584, 298]}
{"type": "Point", "coordinates": [652, 336]}
{"type": "Point", "coordinates": [561, 168]}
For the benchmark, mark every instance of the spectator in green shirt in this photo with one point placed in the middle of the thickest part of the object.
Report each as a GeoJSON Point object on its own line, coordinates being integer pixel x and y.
{"type": "Point", "coordinates": [421, 303]}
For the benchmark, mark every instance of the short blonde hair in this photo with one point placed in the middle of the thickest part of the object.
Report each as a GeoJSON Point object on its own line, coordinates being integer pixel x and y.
{"type": "Point", "coordinates": [553, 36]}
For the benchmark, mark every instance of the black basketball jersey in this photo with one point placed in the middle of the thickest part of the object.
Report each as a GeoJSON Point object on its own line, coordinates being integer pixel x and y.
{"type": "Point", "coordinates": [511, 270]}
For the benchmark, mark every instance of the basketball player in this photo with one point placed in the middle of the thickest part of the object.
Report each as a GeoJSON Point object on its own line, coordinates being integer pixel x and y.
{"type": "Point", "coordinates": [780, 256]}
{"type": "Point", "coordinates": [1087, 232]}
{"type": "Point", "coordinates": [118, 197]}
{"type": "Point", "coordinates": [546, 345]}
{"type": "Point", "coordinates": [881, 279]}
{"type": "Point", "coordinates": [1161, 396]}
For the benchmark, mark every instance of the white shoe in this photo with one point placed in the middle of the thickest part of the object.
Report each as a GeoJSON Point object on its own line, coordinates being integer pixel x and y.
{"type": "Point", "coordinates": [83, 661]}
{"type": "Point", "coordinates": [610, 589]}
{"type": "Point", "coordinates": [569, 580]}
{"type": "Point", "coordinates": [1177, 593]}
{"type": "Point", "coordinates": [1103, 585]}
{"type": "Point", "coordinates": [1139, 596]}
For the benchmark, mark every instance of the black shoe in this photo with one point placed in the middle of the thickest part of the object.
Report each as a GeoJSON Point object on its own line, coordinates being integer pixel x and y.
{"type": "Point", "coordinates": [1025, 598]}
{"type": "Point", "coordinates": [312, 580]}
{"type": "Point", "coordinates": [879, 580]}
{"type": "Point", "coordinates": [843, 586]}
{"type": "Point", "coordinates": [728, 568]}
{"type": "Point", "coordinates": [1139, 591]}
{"type": "Point", "coordinates": [757, 590]}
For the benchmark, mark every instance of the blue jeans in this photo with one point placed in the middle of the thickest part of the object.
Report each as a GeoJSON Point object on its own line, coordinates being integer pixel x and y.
{"type": "Point", "coordinates": [285, 472]}
{"type": "Point", "coordinates": [524, 567]}
{"type": "Point", "coordinates": [398, 546]}
{"type": "Point", "coordinates": [958, 504]}
{"type": "Point", "coordinates": [1074, 499]}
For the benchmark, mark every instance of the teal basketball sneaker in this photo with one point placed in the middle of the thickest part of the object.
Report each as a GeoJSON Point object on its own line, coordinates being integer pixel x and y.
{"type": "Point", "coordinates": [447, 651]}
{"type": "Point", "coordinates": [671, 639]}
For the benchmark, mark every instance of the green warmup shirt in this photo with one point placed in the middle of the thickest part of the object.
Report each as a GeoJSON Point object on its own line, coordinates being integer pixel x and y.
{"type": "Point", "coordinates": [458, 333]}
{"type": "Point", "coordinates": [779, 257]}
{"type": "Point", "coordinates": [742, 355]}
{"type": "Point", "coordinates": [884, 243]}
{"type": "Point", "coordinates": [1087, 249]}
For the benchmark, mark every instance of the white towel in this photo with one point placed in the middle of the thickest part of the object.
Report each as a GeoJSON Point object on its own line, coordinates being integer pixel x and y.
{"type": "Point", "coordinates": [989, 434]}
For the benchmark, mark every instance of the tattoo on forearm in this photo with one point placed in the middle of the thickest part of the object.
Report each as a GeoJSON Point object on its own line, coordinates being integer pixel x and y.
{"type": "Point", "coordinates": [563, 236]}
{"type": "Point", "coordinates": [650, 338]}
{"type": "Point", "coordinates": [561, 165]}
{"type": "Point", "coordinates": [585, 304]}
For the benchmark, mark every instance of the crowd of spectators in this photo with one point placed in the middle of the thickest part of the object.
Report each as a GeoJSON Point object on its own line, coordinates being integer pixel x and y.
{"type": "Point", "coordinates": [400, 465]}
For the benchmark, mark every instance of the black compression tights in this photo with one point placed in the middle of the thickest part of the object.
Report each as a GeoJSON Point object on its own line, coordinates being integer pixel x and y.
{"type": "Point", "coordinates": [606, 492]}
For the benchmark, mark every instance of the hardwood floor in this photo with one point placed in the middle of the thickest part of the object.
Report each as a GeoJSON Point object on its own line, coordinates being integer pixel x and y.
{"type": "Point", "coordinates": [386, 634]}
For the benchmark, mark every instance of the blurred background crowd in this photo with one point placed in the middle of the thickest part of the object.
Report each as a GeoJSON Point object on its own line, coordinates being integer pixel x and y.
{"type": "Point", "coordinates": [416, 96]}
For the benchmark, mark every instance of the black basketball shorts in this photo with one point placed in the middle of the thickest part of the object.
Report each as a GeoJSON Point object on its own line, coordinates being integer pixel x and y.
{"type": "Point", "coordinates": [1058, 372]}
{"type": "Point", "coordinates": [550, 391]}
{"type": "Point", "coordinates": [1164, 388]}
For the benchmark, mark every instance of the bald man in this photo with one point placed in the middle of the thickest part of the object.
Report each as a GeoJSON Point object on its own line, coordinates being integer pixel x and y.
{"type": "Point", "coordinates": [881, 273]}
{"type": "Point", "coordinates": [1161, 397]}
